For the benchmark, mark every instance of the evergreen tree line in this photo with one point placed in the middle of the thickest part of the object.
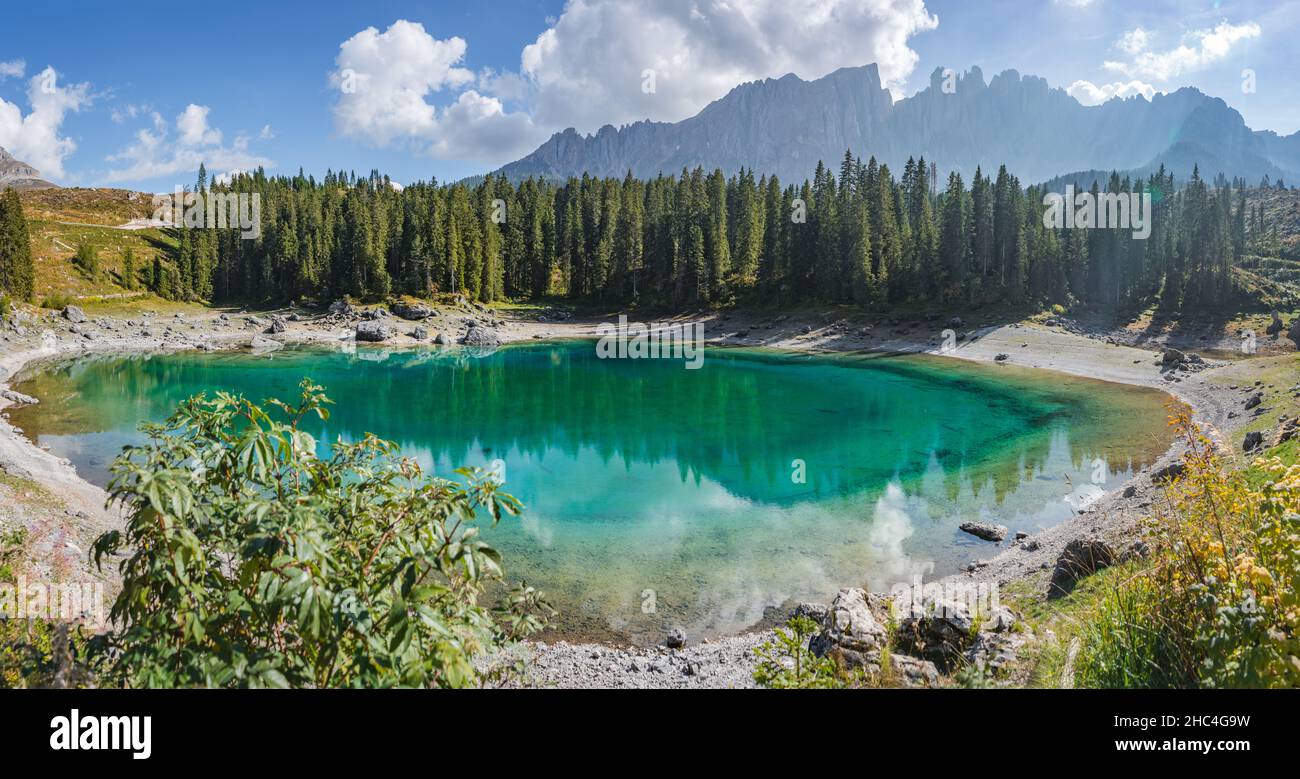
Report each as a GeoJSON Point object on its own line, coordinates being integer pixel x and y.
{"type": "Point", "coordinates": [863, 237]}
{"type": "Point", "coordinates": [17, 274]}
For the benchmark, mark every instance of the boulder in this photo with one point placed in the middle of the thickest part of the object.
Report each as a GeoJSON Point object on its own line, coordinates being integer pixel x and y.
{"type": "Point", "coordinates": [1172, 358]}
{"type": "Point", "coordinates": [913, 671]}
{"type": "Point", "coordinates": [342, 308]}
{"type": "Point", "coordinates": [373, 331]}
{"type": "Point", "coordinates": [1294, 332]}
{"type": "Point", "coordinates": [817, 612]}
{"type": "Point", "coordinates": [442, 340]}
{"type": "Point", "coordinates": [985, 531]}
{"type": "Point", "coordinates": [1276, 325]}
{"type": "Point", "coordinates": [481, 336]}
{"type": "Point", "coordinates": [1287, 431]}
{"type": "Point", "coordinates": [1169, 473]}
{"type": "Point", "coordinates": [261, 343]}
{"type": "Point", "coordinates": [1081, 557]}
{"type": "Point", "coordinates": [1254, 400]}
{"type": "Point", "coordinates": [74, 314]}
{"type": "Point", "coordinates": [277, 326]}
{"type": "Point", "coordinates": [851, 632]}
{"type": "Point", "coordinates": [420, 334]}
{"type": "Point", "coordinates": [413, 311]}
{"type": "Point", "coordinates": [938, 630]}
{"type": "Point", "coordinates": [1253, 440]}
{"type": "Point", "coordinates": [676, 639]}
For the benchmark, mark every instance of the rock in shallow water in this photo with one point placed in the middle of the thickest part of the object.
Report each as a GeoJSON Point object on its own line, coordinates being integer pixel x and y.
{"type": "Point", "coordinates": [985, 531]}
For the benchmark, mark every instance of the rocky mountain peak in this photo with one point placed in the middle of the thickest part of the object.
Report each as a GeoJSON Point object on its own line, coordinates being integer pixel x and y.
{"type": "Point", "coordinates": [19, 175]}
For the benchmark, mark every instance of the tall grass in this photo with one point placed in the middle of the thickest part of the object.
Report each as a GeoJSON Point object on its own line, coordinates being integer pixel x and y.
{"type": "Point", "coordinates": [1217, 605]}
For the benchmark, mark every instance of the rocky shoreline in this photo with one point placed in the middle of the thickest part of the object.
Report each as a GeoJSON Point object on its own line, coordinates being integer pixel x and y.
{"type": "Point", "coordinates": [721, 662]}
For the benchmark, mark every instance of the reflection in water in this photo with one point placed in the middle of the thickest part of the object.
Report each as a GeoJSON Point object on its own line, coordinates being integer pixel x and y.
{"type": "Point", "coordinates": [659, 497]}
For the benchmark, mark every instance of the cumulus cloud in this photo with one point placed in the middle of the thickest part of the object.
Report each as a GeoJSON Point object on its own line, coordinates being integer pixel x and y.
{"type": "Point", "coordinates": [1199, 49]}
{"type": "Point", "coordinates": [35, 137]}
{"type": "Point", "coordinates": [1089, 93]}
{"type": "Point", "coordinates": [606, 61]}
{"type": "Point", "coordinates": [12, 68]}
{"type": "Point", "coordinates": [165, 149]}
{"type": "Point", "coordinates": [1134, 41]}
{"type": "Point", "coordinates": [384, 80]}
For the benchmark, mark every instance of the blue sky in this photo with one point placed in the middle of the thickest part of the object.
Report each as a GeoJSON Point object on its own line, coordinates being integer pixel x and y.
{"type": "Point", "coordinates": [135, 98]}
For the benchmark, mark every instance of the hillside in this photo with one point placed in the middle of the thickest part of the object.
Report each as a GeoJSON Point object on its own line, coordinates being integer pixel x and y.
{"type": "Point", "coordinates": [784, 126]}
{"type": "Point", "coordinates": [59, 220]}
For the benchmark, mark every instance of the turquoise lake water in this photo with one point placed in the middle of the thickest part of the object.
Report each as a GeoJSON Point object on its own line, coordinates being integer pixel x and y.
{"type": "Point", "coordinates": [658, 497]}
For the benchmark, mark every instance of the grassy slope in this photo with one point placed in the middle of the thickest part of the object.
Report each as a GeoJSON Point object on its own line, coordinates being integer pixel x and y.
{"type": "Point", "coordinates": [60, 219]}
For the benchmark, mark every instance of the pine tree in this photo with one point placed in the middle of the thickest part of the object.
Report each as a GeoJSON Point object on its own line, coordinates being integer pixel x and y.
{"type": "Point", "coordinates": [17, 273]}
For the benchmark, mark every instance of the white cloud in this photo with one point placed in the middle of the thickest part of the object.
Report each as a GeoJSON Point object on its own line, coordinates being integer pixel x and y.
{"type": "Point", "coordinates": [1089, 93]}
{"type": "Point", "coordinates": [588, 68]}
{"type": "Point", "coordinates": [1199, 49]}
{"type": "Point", "coordinates": [35, 137]}
{"type": "Point", "coordinates": [157, 153]}
{"type": "Point", "coordinates": [123, 113]}
{"type": "Point", "coordinates": [266, 133]}
{"type": "Point", "coordinates": [1134, 41]}
{"type": "Point", "coordinates": [193, 127]}
{"type": "Point", "coordinates": [384, 78]}
{"type": "Point", "coordinates": [1074, 3]}
{"type": "Point", "coordinates": [13, 69]}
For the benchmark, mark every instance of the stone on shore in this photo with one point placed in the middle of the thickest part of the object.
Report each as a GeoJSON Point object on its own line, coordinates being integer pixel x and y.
{"type": "Point", "coordinates": [478, 335]}
{"type": "Point", "coordinates": [1252, 441]}
{"type": "Point", "coordinates": [74, 314]}
{"type": "Point", "coordinates": [851, 632]}
{"type": "Point", "coordinates": [412, 311]}
{"type": "Point", "coordinates": [261, 343]}
{"type": "Point", "coordinates": [1081, 557]}
{"type": "Point", "coordinates": [373, 331]}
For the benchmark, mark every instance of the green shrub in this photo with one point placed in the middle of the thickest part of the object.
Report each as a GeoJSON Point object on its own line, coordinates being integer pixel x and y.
{"type": "Point", "coordinates": [253, 561]}
{"type": "Point", "coordinates": [790, 664]}
{"type": "Point", "coordinates": [57, 302]}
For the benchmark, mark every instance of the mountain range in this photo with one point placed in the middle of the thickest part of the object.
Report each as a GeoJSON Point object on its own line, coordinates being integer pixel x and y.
{"type": "Point", "coordinates": [19, 175]}
{"type": "Point", "coordinates": [786, 125]}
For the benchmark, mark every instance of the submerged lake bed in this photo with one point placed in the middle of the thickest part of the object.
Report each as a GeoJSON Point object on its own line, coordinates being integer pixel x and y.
{"type": "Point", "coordinates": [657, 497]}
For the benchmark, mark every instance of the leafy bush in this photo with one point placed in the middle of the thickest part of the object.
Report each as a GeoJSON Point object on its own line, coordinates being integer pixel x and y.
{"type": "Point", "coordinates": [790, 664]}
{"type": "Point", "coordinates": [1218, 605]}
{"type": "Point", "coordinates": [56, 302]}
{"type": "Point", "coordinates": [255, 562]}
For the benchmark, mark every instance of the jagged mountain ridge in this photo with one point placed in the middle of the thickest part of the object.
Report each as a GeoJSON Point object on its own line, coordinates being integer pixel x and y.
{"type": "Point", "coordinates": [19, 175]}
{"type": "Point", "coordinates": [784, 126]}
